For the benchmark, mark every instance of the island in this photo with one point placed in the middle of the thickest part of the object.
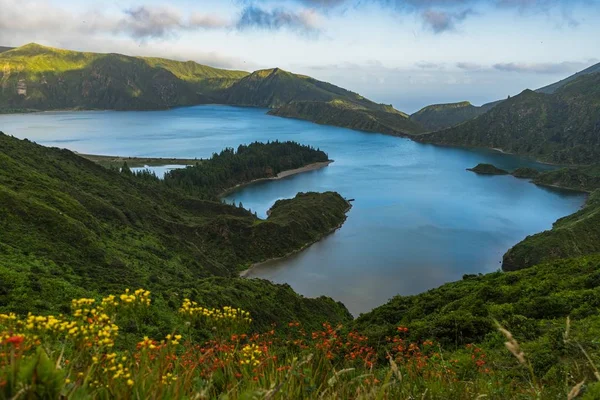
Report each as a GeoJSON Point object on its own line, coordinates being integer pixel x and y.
{"type": "Point", "coordinates": [487, 169]}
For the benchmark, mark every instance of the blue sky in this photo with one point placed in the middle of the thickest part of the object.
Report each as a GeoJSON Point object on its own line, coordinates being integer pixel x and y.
{"type": "Point", "coordinates": [409, 53]}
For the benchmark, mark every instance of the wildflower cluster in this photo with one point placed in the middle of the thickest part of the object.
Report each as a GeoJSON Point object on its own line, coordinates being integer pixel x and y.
{"type": "Point", "coordinates": [250, 355]}
{"type": "Point", "coordinates": [226, 317]}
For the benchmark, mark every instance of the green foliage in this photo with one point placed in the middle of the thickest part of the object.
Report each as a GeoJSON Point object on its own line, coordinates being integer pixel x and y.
{"type": "Point", "coordinates": [571, 236]}
{"type": "Point", "coordinates": [585, 179]}
{"type": "Point", "coordinates": [561, 128]}
{"type": "Point", "coordinates": [440, 116]}
{"type": "Point", "coordinates": [350, 115]}
{"type": "Point", "coordinates": [44, 78]}
{"type": "Point", "coordinates": [532, 304]}
{"type": "Point", "coordinates": [231, 167]}
{"type": "Point", "coordinates": [487, 169]}
{"type": "Point", "coordinates": [557, 85]}
{"type": "Point", "coordinates": [71, 228]}
{"type": "Point", "coordinates": [525, 173]}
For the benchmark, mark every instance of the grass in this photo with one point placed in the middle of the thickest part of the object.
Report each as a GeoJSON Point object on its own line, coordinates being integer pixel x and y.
{"type": "Point", "coordinates": [99, 352]}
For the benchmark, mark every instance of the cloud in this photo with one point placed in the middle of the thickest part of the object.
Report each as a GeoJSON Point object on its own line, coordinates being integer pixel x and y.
{"type": "Point", "coordinates": [157, 22]}
{"type": "Point", "coordinates": [542, 68]}
{"type": "Point", "coordinates": [441, 21]}
{"type": "Point", "coordinates": [258, 18]}
{"type": "Point", "coordinates": [140, 23]}
{"type": "Point", "coordinates": [469, 66]}
{"type": "Point", "coordinates": [429, 65]}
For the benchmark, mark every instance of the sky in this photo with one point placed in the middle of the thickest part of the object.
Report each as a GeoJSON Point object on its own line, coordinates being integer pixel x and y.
{"type": "Point", "coordinates": [409, 53]}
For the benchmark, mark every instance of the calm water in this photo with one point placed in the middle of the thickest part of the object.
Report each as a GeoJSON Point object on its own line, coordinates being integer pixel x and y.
{"type": "Point", "coordinates": [419, 218]}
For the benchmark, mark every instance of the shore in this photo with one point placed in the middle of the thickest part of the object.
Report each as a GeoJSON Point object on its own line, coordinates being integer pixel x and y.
{"type": "Point", "coordinates": [137, 162]}
{"type": "Point", "coordinates": [281, 175]}
{"type": "Point", "coordinates": [244, 273]}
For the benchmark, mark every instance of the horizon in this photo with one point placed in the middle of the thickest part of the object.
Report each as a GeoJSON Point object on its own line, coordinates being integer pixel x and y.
{"type": "Point", "coordinates": [442, 54]}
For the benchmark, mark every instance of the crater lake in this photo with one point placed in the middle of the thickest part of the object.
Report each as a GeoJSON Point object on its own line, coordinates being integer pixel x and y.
{"type": "Point", "coordinates": [419, 219]}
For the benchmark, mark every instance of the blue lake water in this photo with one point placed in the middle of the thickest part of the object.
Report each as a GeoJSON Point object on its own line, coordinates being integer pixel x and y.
{"type": "Point", "coordinates": [419, 218]}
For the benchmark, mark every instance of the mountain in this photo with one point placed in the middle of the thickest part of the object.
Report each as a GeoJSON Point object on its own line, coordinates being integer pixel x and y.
{"type": "Point", "coordinates": [35, 77]}
{"type": "Point", "coordinates": [71, 228]}
{"type": "Point", "coordinates": [441, 116]}
{"type": "Point", "coordinates": [45, 78]}
{"type": "Point", "coordinates": [563, 127]}
{"type": "Point", "coordinates": [557, 85]}
{"type": "Point", "coordinates": [298, 96]}
{"type": "Point", "coordinates": [5, 48]}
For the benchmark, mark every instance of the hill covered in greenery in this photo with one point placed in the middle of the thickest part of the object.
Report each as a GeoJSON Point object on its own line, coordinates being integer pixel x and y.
{"type": "Point", "coordinates": [45, 78]}
{"type": "Point", "coordinates": [72, 228]}
{"type": "Point", "coordinates": [298, 96]}
{"type": "Point", "coordinates": [441, 116]}
{"type": "Point", "coordinates": [562, 128]}
{"type": "Point", "coordinates": [347, 115]}
{"type": "Point", "coordinates": [549, 89]}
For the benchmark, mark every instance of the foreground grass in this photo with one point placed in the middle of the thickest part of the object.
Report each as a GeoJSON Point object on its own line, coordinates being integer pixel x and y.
{"type": "Point", "coordinates": [96, 353]}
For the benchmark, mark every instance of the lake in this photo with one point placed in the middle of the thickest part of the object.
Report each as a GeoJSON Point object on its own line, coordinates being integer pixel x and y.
{"type": "Point", "coordinates": [419, 218]}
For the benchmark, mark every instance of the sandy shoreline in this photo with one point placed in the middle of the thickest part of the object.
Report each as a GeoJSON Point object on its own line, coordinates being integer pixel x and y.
{"type": "Point", "coordinates": [245, 272]}
{"type": "Point", "coordinates": [281, 175]}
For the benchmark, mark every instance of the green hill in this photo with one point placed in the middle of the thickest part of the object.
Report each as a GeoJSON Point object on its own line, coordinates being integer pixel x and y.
{"type": "Point", "coordinates": [563, 127]}
{"type": "Point", "coordinates": [557, 85]}
{"type": "Point", "coordinates": [35, 77]}
{"type": "Point", "coordinates": [341, 113]}
{"type": "Point", "coordinates": [298, 96]}
{"type": "Point", "coordinates": [441, 116]}
{"type": "Point", "coordinates": [72, 228]}
{"type": "Point", "coordinates": [5, 48]}
{"type": "Point", "coordinates": [45, 78]}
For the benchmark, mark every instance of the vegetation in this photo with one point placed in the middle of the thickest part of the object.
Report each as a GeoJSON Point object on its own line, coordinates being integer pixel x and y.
{"type": "Point", "coordinates": [35, 77]}
{"type": "Point", "coordinates": [586, 179]}
{"type": "Point", "coordinates": [136, 162]}
{"type": "Point", "coordinates": [487, 169]}
{"type": "Point", "coordinates": [231, 167]}
{"type": "Point", "coordinates": [557, 85]}
{"type": "Point", "coordinates": [340, 113]}
{"type": "Point", "coordinates": [561, 128]}
{"type": "Point", "coordinates": [525, 173]}
{"type": "Point", "coordinates": [71, 228]}
{"type": "Point", "coordinates": [571, 236]}
{"type": "Point", "coordinates": [45, 78]}
{"type": "Point", "coordinates": [103, 348]}
{"type": "Point", "coordinates": [441, 116]}
{"type": "Point", "coordinates": [574, 235]}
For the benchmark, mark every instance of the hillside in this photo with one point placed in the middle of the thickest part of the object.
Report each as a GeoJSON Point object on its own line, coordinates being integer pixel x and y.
{"type": "Point", "coordinates": [45, 78]}
{"type": "Point", "coordinates": [72, 228]}
{"type": "Point", "coordinates": [441, 116]}
{"type": "Point", "coordinates": [574, 235]}
{"type": "Point", "coordinates": [557, 85]}
{"type": "Point", "coordinates": [298, 96]}
{"type": "Point", "coordinates": [340, 113]}
{"type": "Point", "coordinates": [563, 127]}
{"type": "Point", "coordinates": [5, 48]}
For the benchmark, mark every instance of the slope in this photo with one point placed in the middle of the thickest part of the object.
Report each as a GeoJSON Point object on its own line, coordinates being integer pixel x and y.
{"type": "Point", "coordinates": [560, 128]}
{"type": "Point", "coordinates": [440, 116]}
{"type": "Point", "coordinates": [302, 97]}
{"type": "Point", "coordinates": [69, 227]}
{"type": "Point", "coordinates": [557, 85]}
{"type": "Point", "coordinates": [44, 78]}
